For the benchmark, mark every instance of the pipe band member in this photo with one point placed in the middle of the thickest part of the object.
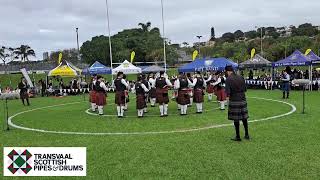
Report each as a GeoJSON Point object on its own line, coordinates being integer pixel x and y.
{"type": "Point", "coordinates": [162, 85]}
{"type": "Point", "coordinates": [147, 85]}
{"type": "Point", "coordinates": [101, 91]}
{"type": "Point", "coordinates": [23, 86]}
{"type": "Point", "coordinates": [238, 111]}
{"type": "Point", "coordinates": [198, 91]}
{"type": "Point", "coordinates": [141, 91]}
{"type": "Point", "coordinates": [220, 90]}
{"type": "Point", "coordinates": [183, 99]}
{"type": "Point", "coordinates": [92, 94]}
{"type": "Point", "coordinates": [190, 89]}
{"type": "Point", "coordinates": [210, 87]}
{"type": "Point", "coordinates": [120, 98]}
{"type": "Point", "coordinates": [152, 92]}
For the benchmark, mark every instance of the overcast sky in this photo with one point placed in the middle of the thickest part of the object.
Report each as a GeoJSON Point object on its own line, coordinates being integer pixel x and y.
{"type": "Point", "coordinates": [49, 25]}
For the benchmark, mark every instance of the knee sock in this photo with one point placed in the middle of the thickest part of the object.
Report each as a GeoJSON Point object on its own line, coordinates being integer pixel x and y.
{"type": "Point", "coordinates": [165, 109]}
{"type": "Point", "coordinates": [191, 101]}
{"type": "Point", "coordinates": [237, 128]}
{"type": "Point", "coordinates": [210, 97]}
{"type": "Point", "coordinates": [93, 107]}
{"type": "Point", "coordinates": [145, 110]}
{"type": "Point", "coordinates": [185, 108]}
{"type": "Point", "coordinates": [100, 109]}
{"type": "Point", "coordinates": [122, 110]}
{"type": "Point", "coordinates": [222, 105]}
{"type": "Point", "coordinates": [153, 101]}
{"type": "Point", "coordinates": [118, 110]}
{"type": "Point", "coordinates": [161, 107]}
{"type": "Point", "coordinates": [179, 107]}
{"type": "Point", "coordinates": [245, 125]}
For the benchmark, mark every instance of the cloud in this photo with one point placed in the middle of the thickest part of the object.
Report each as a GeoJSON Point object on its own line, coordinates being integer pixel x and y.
{"type": "Point", "coordinates": [49, 25]}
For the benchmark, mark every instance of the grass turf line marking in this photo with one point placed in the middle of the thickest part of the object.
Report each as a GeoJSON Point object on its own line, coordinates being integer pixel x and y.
{"type": "Point", "coordinates": [293, 109]}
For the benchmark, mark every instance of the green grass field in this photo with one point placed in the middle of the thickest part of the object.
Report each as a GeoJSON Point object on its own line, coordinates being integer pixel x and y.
{"type": "Point", "coordinates": [281, 148]}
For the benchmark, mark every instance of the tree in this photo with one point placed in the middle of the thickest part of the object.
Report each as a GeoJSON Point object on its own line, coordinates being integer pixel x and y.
{"type": "Point", "coordinates": [228, 37]}
{"type": "Point", "coordinates": [251, 34]}
{"type": "Point", "coordinates": [238, 34]}
{"type": "Point", "coordinates": [24, 51]}
{"type": "Point", "coordinates": [145, 27]}
{"type": "Point", "coordinates": [147, 44]}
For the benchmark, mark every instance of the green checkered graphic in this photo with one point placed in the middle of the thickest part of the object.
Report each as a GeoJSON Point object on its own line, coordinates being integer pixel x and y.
{"type": "Point", "coordinates": [19, 161]}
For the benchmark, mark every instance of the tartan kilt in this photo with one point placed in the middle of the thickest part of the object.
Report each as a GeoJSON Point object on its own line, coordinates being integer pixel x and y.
{"type": "Point", "coordinates": [24, 95]}
{"type": "Point", "coordinates": [162, 96]}
{"type": "Point", "coordinates": [100, 99]}
{"type": "Point", "coordinates": [183, 97]}
{"type": "Point", "coordinates": [140, 101]}
{"type": "Point", "coordinates": [152, 93]}
{"type": "Point", "coordinates": [221, 95]}
{"type": "Point", "coordinates": [210, 89]}
{"type": "Point", "coordinates": [198, 96]}
{"type": "Point", "coordinates": [238, 110]}
{"type": "Point", "coordinates": [120, 98]}
{"type": "Point", "coordinates": [92, 96]}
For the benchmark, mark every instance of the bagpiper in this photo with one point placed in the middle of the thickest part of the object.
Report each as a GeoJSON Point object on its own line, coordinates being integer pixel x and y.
{"type": "Point", "coordinates": [147, 85]}
{"type": "Point", "coordinates": [162, 85]}
{"type": "Point", "coordinates": [141, 91]}
{"type": "Point", "coordinates": [210, 87]}
{"type": "Point", "coordinates": [181, 84]}
{"type": "Point", "coordinates": [220, 90]}
{"type": "Point", "coordinates": [152, 92]}
{"type": "Point", "coordinates": [101, 91]}
{"type": "Point", "coordinates": [198, 91]}
{"type": "Point", "coordinates": [121, 86]}
{"type": "Point", "coordinates": [92, 93]}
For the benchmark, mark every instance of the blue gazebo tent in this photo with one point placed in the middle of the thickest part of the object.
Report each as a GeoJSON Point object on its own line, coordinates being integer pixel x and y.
{"type": "Point", "coordinates": [214, 64]}
{"type": "Point", "coordinates": [295, 59]}
{"type": "Point", "coordinates": [313, 57]}
{"type": "Point", "coordinates": [97, 68]}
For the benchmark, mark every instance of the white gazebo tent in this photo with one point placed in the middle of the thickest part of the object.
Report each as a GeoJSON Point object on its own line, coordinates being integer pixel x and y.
{"type": "Point", "coordinates": [127, 68]}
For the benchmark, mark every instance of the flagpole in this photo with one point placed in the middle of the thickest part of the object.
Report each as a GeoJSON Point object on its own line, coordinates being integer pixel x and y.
{"type": "Point", "coordinates": [110, 47]}
{"type": "Point", "coordinates": [164, 39]}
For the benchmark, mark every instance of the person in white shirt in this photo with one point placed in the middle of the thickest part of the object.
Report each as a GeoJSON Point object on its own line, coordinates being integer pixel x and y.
{"type": "Point", "coordinates": [152, 92]}
{"type": "Point", "coordinates": [162, 85]}
{"type": "Point", "coordinates": [101, 91]}
{"type": "Point", "coordinates": [120, 98]}
{"type": "Point", "coordinates": [141, 91]}
{"type": "Point", "coordinates": [285, 84]}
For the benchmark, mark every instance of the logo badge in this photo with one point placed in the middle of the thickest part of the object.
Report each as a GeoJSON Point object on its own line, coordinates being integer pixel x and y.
{"type": "Point", "coordinates": [20, 161]}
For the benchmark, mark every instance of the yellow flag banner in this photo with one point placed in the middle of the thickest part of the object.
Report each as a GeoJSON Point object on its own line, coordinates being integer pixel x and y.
{"type": "Point", "coordinates": [194, 55]}
{"type": "Point", "coordinates": [133, 54]}
{"type": "Point", "coordinates": [307, 52]}
{"type": "Point", "coordinates": [253, 52]}
{"type": "Point", "coordinates": [60, 58]}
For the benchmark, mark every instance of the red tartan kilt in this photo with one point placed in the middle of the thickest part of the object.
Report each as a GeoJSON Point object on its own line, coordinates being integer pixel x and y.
{"type": "Point", "coordinates": [221, 95]}
{"type": "Point", "coordinates": [162, 96]}
{"type": "Point", "coordinates": [210, 89]}
{"type": "Point", "coordinates": [183, 97]}
{"type": "Point", "coordinates": [190, 92]}
{"type": "Point", "coordinates": [120, 98]}
{"type": "Point", "coordinates": [198, 96]}
{"type": "Point", "coordinates": [152, 93]}
{"type": "Point", "coordinates": [140, 102]}
{"type": "Point", "coordinates": [92, 96]}
{"type": "Point", "coordinates": [101, 99]}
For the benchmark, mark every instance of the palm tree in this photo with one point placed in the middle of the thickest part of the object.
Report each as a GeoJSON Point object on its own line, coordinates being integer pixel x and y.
{"type": "Point", "coordinates": [24, 51]}
{"type": "Point", "coordinates": [145, 27]}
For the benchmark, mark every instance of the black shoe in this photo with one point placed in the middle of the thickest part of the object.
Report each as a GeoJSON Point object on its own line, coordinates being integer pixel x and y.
{"type": "Point", "coordinates": [100, 114]}
{"type": "Point", "coordinates": [166, 115]}
{"type": "Point", "coordinates": [120, 117]}
{"type": "Point", "coordinates": [247, 137]}
{"type": "Point", "coordinates": [236, 139]}
{"type": "Point", "coordinates": [222, 109]}
{"type": "Point", "coordinates": [199, 112]}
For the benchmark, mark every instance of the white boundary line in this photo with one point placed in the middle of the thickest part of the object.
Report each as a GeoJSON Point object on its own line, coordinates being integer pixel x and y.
{"type": "Point", "coordinates": [293, 109]}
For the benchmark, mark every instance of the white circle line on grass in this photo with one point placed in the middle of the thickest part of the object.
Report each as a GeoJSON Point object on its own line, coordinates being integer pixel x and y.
{"type": "Point", "coordinates": [293, 109]}
{"type": "Point", "coordinates": [145, 114]}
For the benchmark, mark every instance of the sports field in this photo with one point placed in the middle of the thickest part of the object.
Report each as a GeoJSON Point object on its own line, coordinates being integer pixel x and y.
{"type": "Point", "coordinates": [284, 145]}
